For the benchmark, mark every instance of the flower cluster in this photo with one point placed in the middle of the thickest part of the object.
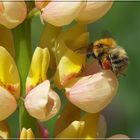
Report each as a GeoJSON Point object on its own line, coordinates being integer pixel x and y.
{"type": "Point", "coordinates": [56, 66]}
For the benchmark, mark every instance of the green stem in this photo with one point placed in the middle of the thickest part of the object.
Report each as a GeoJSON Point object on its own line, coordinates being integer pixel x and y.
{"type": "Point", "coordinates": [22, 43]}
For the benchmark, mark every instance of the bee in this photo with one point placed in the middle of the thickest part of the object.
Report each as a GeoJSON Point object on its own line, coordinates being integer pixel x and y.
{"type": "Point", "coordinates": [109, 55]}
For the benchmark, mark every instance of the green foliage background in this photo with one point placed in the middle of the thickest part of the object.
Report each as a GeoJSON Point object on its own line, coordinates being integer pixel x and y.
{"type": "Point", "coordinates": [123, 23]}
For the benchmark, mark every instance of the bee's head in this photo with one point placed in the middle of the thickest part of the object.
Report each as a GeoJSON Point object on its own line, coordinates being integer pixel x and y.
{"type": "Point", "coordinates": [103, 46]}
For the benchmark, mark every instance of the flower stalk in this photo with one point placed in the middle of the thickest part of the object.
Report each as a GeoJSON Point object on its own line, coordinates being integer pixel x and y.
{"type": "Point", "coordinates": [22, 43]}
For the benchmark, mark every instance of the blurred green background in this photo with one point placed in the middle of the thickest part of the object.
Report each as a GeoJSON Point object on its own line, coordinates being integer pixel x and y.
{"type": "Point", "coordinates": [123, 23]}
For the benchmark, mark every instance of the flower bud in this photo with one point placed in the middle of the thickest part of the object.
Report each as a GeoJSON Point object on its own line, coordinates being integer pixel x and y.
{"type": "Point", "coordinates": [38, 68]}
{"type": "Point", "coordinates": [27, 134]}
{"type": "Point", "coordinates": [12, 13]}
{"type": "Point", "coordinates": [94, 92]}
{"type": "Point", "coordinates": [42, 102]}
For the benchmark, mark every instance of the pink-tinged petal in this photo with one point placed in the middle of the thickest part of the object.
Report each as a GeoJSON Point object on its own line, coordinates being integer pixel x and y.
{"type": "Point", "coordinates": [118, 137]}
{"type": "Point", "coordinates": [62, 13]}
{"type": "Point", "coordinates": [8, 104]}
{"type": "Point", "coordinates": [13, 14]}
{"type": "Point", "coordinates": [42, 102]}
{"type": "Point", "coordinates": [94, 10]}
{"type": "Point", "coordinates": [92, 93]}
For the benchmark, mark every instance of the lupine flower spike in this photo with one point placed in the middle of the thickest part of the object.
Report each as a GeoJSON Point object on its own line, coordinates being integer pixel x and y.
{"type": "Point", "coordinates": [51, 88]}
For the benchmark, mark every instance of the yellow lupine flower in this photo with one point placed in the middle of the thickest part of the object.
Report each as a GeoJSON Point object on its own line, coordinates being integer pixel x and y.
{"type": "Point", "coordinates": [9, 84]}
{"type": "Point", "coordinates": [9, 77]}
{"type": "Point", "coordinates": [69, 61]}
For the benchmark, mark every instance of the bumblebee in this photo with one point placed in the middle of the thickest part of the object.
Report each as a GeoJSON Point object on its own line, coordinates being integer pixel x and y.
{"type": "Point", "coordinates": [109, 55]}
